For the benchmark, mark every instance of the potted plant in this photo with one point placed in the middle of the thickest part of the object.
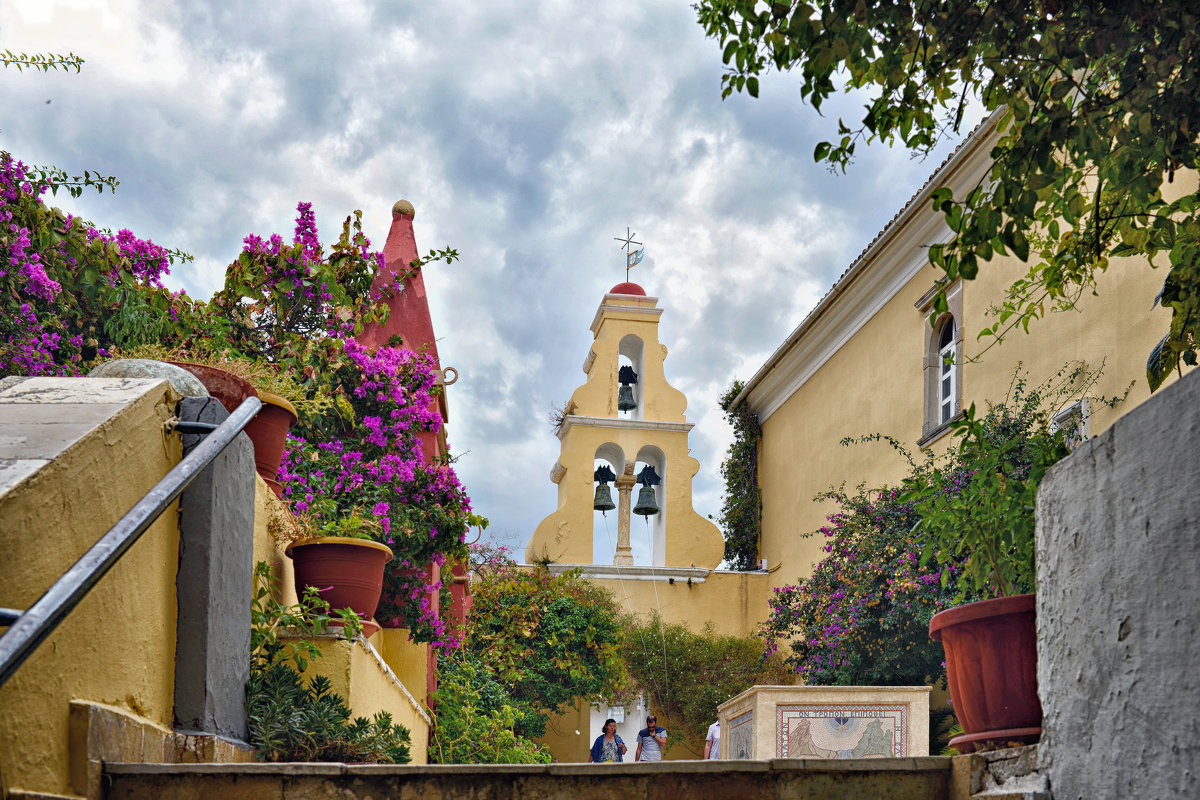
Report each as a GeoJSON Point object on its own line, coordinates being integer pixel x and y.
{"type": "Point", "coordinates": [232, 378]}
{"type": "Point", "coordinates": [977, 520]}
{"type": "Point", "coordinates": [337, 554]}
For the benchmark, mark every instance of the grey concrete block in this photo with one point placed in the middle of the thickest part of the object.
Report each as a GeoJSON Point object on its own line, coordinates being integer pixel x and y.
{"type": "Point", "coordinates": [216, 551]}
{"type": "Point", "coordinates": [1119, 606]}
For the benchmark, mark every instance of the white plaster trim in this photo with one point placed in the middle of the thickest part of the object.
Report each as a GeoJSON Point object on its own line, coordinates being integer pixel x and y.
{"type": "Point", "coordinates": [861, 302]}
{"type": "Point", "coordinates": [557, 472]}
{"type": "Point", "coordinates": [611, 572]}
{"type": "Point", "coordinates": [588, 361]}
{"type": "Point", "coordinates": [874, 278]}
{"type": "Point", "coordinates": [630, 424]}
{"type": "Point", "coordinates": [605, 305]}
{"type": "Point", "coordinates": [392, 677]}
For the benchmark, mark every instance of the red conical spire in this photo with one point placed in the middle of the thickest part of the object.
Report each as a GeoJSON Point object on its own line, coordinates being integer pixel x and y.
{"type": "Point", "coordinates": [410, 318]}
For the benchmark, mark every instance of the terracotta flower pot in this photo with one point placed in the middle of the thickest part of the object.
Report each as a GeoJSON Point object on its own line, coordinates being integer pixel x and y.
{"type": "Point", "coordinates": [347, 572]}
{"type": "Point", "coordinates": [268, 431]}
{"type": "Point", "coordinates": [991, 666]}
{"type": "Point", "coordinates": [225, 386]}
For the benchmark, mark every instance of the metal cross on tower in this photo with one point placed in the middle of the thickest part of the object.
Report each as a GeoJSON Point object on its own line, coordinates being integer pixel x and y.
{"type": "Point", "coordinates": [632, 257]}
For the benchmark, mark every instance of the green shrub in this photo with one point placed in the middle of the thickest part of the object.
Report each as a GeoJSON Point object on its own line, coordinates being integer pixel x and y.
{"type": "Point", "coordinates": [292, 721]}
{"type": "Point", "coordinates": [475, 719]}
{"type": "Point", "coordinates": [685, 675]}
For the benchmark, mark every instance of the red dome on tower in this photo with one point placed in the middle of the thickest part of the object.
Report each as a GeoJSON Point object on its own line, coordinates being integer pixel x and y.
{"type": "Point", "coordinates": [627, 288]}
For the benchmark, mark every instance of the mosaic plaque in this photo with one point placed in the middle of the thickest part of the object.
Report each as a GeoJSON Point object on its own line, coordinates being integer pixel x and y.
{"type": "Point", "coordinates": [741, 736]}
{"type": "Point", "coordinates": [841, 731]}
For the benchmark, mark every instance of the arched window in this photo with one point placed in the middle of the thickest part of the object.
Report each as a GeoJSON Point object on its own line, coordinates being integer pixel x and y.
{"type": "Point", "coordinates": [947, 394]}
{"type": "Point", "coordinates": [631, 353]}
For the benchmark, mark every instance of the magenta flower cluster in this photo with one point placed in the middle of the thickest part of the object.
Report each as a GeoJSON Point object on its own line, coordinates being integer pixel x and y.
{"type": "Point", "coordinates": [862, 617]}
{"type": "Point", "coordinates": [43, 326]}
{"type": "Point", "coordinates": [381, 471]}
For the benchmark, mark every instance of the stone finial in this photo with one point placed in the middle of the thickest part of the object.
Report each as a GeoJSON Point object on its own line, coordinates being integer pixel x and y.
{"type": "Point", "coordinates": [404, 207]}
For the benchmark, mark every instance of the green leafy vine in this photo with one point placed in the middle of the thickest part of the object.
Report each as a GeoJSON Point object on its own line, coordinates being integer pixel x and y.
{"type": "Point", "coordinates": [741, 509]}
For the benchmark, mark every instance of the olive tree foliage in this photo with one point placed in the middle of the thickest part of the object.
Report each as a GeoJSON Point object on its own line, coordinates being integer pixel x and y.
{"type": "Point", "coordinates": [1097, 113]}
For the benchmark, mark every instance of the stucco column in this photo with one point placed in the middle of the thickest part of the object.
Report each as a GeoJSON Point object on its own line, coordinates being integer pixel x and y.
{"type": "Point", "coordinates": [624, 483]}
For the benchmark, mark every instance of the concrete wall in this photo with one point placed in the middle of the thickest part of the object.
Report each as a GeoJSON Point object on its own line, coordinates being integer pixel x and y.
{"type": "Point", "coordinates": [75, 455]}
{"type": "Point", "coordinates": [1119, 607]}
{"type": "Point", "coordinates": [735, 603]}
{"type": "Point", "coordinates": [886, 779]}
{"type": "Point", "coordinates": [93, 448]}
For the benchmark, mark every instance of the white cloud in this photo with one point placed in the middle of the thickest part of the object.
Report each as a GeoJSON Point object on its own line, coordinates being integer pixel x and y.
{"type": "Point", "coordinates": [527, 134]}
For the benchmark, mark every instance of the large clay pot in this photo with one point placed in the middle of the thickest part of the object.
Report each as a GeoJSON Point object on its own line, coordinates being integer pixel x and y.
{"type": "Point", "coordinates": [991, 666]}
{"type": "Point", "coordinates": [225, 386]}
{"type": "Point", "coordinates": [268, 432]}
{"type": "Point", "coordinates": [347, 572]}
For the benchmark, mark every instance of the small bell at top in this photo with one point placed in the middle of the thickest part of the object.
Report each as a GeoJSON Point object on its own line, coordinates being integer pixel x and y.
{"type": "Point", "coordinates": [625, 400]}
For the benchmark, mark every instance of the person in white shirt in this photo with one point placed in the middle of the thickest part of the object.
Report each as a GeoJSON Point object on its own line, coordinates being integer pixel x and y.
{"type": "Point", "coordinates": [712, 742]}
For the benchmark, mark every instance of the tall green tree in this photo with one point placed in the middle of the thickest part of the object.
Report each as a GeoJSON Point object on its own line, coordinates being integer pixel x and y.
{"type": "Point", "coordinates": [1097, 104]}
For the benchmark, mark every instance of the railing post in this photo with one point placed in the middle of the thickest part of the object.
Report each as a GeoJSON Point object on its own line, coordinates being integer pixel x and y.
{"type": "Point", "coordinates": [216, 551]}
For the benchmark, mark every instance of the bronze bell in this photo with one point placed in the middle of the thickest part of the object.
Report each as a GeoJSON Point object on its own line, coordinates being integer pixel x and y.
{"type": "Point", "coordinates": [646, 504]}
{"type": "Point", "coordinates": [603, 501]}
{"type": "Point", "coordinates": [626, 377]}
{"type": "Point", "coordinates": [625, 401]}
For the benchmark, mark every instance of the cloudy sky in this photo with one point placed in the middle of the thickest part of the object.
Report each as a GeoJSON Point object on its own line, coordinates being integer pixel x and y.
{"type": "Point", "coordinates": [526, 134]}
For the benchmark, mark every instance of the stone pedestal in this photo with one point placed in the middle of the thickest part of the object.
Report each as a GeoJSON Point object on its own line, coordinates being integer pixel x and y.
{"type": "Point", "coordinates": [767, 722]}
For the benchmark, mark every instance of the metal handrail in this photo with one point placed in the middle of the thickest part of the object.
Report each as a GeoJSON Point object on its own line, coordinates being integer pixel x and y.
{"type": "Point", "coordinates": [33, 626]}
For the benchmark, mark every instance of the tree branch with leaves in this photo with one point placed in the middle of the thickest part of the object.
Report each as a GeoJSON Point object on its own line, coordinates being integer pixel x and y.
{"type": "Point", "coordinates": [1096, 112]}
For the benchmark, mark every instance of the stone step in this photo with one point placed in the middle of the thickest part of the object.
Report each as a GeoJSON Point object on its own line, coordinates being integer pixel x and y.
{"type": "Point", "coordinates": [1009, 774]}
{"type": "Point", "coordinates": [795, 779]}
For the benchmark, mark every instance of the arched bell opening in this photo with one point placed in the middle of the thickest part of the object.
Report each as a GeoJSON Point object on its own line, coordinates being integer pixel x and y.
{"type": "Point", "coordinates": [630, 383]}
{"type": "Point", "coordinates": [649, 523]}
{"type": "Point", "coordinates": [609, 460]}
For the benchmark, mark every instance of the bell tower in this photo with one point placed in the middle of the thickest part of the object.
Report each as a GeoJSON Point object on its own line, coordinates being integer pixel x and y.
{"type": "Point", "coordinates": [626, 425]}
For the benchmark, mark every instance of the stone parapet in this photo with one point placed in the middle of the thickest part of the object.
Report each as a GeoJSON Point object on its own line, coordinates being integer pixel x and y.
{"type": "Point", "coordinates": [890, 779]}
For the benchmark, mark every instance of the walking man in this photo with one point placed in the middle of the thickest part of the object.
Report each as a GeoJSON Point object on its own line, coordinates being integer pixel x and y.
{"type": "Point", "coordinates": [650, 741]}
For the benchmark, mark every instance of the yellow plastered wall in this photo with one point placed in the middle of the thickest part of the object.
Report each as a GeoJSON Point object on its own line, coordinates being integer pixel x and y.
{"type": "Point", "coordinates": [734, 603]}
{"type": "Point", "coordinates": [874, 383]}
{"type": "Point", "coordinates": [118, 646]}
{"type": "Point", "coordinates": [565, 536]}
{"type": "Point", "coordinates": [392, 678]}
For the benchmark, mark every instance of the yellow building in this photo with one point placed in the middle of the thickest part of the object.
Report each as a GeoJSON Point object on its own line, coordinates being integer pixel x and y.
{"type": "Point", "coordinates": [678, 574]}
{"type": "Point", "coordinates": [867, 360]}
